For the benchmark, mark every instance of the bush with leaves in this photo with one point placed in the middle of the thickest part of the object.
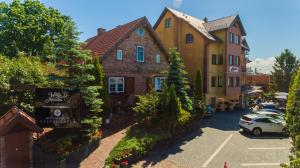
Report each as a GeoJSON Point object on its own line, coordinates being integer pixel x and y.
{"type": "Point", "coordinates": [146, 108]}
{"type": "Point", "coordinates": [18, 73]}
{"type": "Point", "coordinates": [293, 121]}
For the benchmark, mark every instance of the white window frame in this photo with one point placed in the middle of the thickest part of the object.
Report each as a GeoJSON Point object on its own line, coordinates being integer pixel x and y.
{"type": "Point", "coordinates": [156, 87]}
{"type": "Point", "coordinates": [119, 55]}
{"type": "Point", "coordinates": [137, 54]}
{"type": "Point", "coordinates": [231, 60]}
{"type": "Point", "coordinates": [157, 58]}
{"type": "Point", "coordinates": [116, 84]}
{"type": "Point", "coordinates": [237, 60]}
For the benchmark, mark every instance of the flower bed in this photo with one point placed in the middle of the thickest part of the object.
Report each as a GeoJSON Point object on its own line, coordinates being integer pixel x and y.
{"type": "Point", "coordinates": [136, 144]}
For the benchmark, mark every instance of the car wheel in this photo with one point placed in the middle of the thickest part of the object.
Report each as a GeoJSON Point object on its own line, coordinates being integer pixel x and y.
{"type": "Point", "coordinates": [256, 131]}
{"type": "Point", "coordinates": [285, 132]}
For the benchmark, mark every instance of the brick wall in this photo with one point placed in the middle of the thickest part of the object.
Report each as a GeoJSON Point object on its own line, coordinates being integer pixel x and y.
{"type": "Point", "coordinates": [129, 67]}
{"type": "Point", "coordinates": [235, 50]}
{"type": "Point", "coordinates": [2, 153]}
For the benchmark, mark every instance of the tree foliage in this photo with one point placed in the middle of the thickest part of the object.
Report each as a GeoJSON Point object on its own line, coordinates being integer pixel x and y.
{"type": "Point", "coordinates": [199, 100]}
{"type": "Point", "coordinates": [19, 77]}
{"type": "Point", "coordinates": [147, 107]}
{"type": "Point", "coordinates": [178, 76]}
{"type": "Point", "coordinates": [285, 66]}
{"type": "Point", "coordinates": [293, 121]}
{"type": "Point", "coordinates": [31, 27]}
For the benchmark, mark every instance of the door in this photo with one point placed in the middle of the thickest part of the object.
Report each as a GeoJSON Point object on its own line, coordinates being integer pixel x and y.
{"type": "Point", "coordinates": [17, 150]}
{"type": "Point", "coordinates": [265, 124]}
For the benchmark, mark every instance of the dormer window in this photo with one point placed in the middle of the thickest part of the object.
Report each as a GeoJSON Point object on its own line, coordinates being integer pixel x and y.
{"type": "Point", "coordinates": [189, 38]}
{"type": "Point", "coordinates": [168, 23]}
{"type": "Point", "coordinates": [140, 32]}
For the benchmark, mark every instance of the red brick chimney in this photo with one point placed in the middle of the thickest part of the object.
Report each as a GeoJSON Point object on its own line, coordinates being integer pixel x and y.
{"type": "Point", "coordinates": [100, 31]}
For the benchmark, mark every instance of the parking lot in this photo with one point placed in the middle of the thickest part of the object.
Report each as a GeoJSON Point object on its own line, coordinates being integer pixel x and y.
{"type": "Point", "coordinates": [219, 140]}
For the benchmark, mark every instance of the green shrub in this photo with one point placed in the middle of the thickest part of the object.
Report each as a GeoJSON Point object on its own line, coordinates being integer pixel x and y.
{"type": "Point", "coordinates": [146, 108]}
{"type": "Point", "coordinates": [136, 143]}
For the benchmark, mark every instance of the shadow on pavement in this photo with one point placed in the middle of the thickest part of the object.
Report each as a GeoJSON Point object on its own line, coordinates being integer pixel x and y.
{"type": "Point", "coordinates": [264, 136]}
{"type": "Point", "coordinates": [161, 154]}
{"type": "Point", "coordinates": [226, 121]}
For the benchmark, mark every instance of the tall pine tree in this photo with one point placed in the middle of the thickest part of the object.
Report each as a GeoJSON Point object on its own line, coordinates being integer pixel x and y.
{"type": "Point", "coordinates": [178, 76]}
{"type": "Point", "coordinates": [285, 66]}
{"type": "Point", "coordinates": [85, 75]}
{"type": "Point", "coordinates": [199, 99]}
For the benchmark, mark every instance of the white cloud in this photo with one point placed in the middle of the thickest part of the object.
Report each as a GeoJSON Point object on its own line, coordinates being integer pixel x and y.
{"type": "Point", "coordinates": [177, 3]}
{"type": "Point", "coordinates": [262, 65]}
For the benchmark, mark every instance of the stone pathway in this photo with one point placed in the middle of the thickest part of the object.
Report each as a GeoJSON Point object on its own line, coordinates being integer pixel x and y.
{"type": "Point", "coordinates": [161, 164]}
{"type": "Point", "coordinates": [98, 157]}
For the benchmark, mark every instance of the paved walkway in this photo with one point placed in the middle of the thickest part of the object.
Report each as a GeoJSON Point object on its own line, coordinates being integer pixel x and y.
{"type": "Point", "coordinates": [161, 164]}
{"type": "Point", "coordinates": [98, 157]}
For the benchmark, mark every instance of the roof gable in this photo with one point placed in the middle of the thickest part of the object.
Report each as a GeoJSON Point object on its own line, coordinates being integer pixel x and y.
{"type": "Point", "coordinates": [204, 27]}
{"type": "Point", "coordinates": [105, 43]}
{"type": "Point", "coordinates": [196, 23]}
{"type": "Point", "coordinates": [224, 23]}
{"type": "Point", "coordinates": [15, 117]}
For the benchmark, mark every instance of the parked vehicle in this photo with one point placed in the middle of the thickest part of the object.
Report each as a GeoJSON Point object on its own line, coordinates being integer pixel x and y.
{"type": "Point", "coordinates": [275, 115]}
{"type": "Point", "coordinates": [269, 105]}
{"type": "Point", "coordinates": [271, 110]}
{"type": "Point", "coordinates": [257, 124]}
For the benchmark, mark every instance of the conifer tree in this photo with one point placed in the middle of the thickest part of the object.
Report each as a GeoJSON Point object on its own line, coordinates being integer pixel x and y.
{"type": "Point", "coordinates": [84, 75]}
{"type": "Point", "coordinates": [178, 76]}
{"type": "Point", "coordinates": [199, 100]}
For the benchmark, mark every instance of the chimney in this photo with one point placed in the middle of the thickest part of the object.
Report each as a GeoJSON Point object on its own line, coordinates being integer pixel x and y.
{"type": "Point", "coordinates": [205, 19]}
{"type": "Point", "coordinates": [100, 31]}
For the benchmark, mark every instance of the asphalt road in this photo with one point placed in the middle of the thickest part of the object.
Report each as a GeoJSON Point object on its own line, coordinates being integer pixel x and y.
{"type": "Point", "coordinates": [219, 140]}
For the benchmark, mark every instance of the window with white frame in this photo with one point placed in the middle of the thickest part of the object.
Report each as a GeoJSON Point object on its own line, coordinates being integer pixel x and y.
{"type": "Point", "coordinates": [159, 83]}
{"type": "Point", "coordinates": [237, 60]}
{"type": "Point", "coordinates": [231, 37]}
{"type": "Point", "coordinates": [237, 39]}
{"type": "Point", "coordinates": [140, 53]}
{"type": "Point", "coordinates": [116, 84]}
{"type": "Point", "coordinates": [119, 54]}
{"type": "Point", "coordinates": [230, 59]}
{"type": "Point", "coordinates": [157, 58]}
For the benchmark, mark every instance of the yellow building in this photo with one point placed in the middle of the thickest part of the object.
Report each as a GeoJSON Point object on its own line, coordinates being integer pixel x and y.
{"type": "Point", "coordinates": [217, 48]}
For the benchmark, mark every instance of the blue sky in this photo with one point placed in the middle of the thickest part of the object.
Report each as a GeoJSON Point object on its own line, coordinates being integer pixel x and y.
{"type": "Point", "coordinates": [271, 25]}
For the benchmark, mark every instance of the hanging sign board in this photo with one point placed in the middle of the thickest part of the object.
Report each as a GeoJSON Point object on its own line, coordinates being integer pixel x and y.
{"type": "Point", "coordinates": [57, 108]}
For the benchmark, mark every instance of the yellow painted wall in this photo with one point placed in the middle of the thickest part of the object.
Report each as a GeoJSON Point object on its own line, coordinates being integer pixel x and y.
{"type": "Point", "coordinates": [193, 53]}
{"type": "Point", "coordinates": [216, 70]}
{"type": "Point", "coordinates": [166, 34]}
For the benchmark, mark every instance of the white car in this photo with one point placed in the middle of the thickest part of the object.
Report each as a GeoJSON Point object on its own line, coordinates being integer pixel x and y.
{"type": "Point", "coordinates": [275, 115]}
{"type": "Point", "coordinates": [258, 124]}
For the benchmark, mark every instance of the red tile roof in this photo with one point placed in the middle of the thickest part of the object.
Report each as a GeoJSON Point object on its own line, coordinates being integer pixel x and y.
{"type": "Point", "coordinates": [101, 44]}
{"type": "Point", "coordinates": [14, 116]}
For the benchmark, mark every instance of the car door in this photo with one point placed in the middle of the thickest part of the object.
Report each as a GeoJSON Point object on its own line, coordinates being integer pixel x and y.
{"type": "Point", "coordinates": [265, 124]}
{"type": "Point", "coordinates": [276, 126]}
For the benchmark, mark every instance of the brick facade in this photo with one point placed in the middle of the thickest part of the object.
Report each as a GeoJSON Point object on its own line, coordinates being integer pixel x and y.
{"type": "Point", "coordinates": [234, 50]}
{"type": "Point", "coordinates": [142, 72]}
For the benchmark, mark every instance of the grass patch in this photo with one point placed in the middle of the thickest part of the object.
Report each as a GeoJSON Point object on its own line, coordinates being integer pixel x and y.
{"type": "Point", "coordinates": [136, 144]}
